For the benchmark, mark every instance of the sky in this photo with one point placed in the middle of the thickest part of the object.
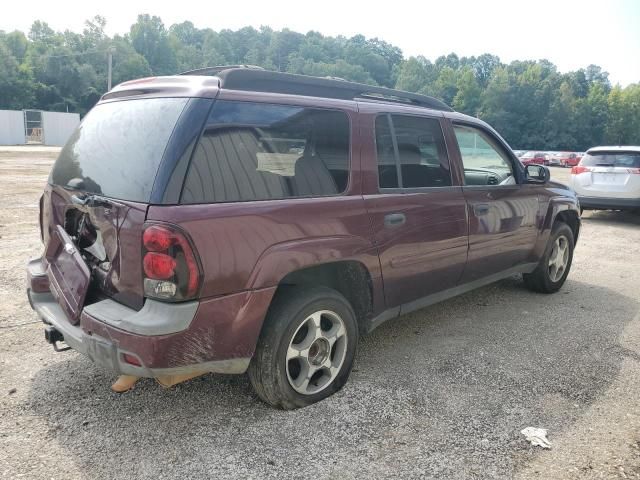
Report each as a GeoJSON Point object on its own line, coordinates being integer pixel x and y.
{"type": "Point", "coordinates": [571, 34]}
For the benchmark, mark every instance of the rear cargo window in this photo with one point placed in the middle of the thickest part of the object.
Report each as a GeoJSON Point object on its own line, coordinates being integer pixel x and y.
{"type": "Point", "coordinates": [256, 151]}
{"type": "Point", "coordinates": [612, 159]}
{"type": "Point", "coordinates": [118, 147]}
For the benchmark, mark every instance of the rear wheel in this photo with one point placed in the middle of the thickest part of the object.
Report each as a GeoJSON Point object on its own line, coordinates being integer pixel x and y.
{"type": "Point", "coordinates": [555, 264]}
{"type": "Point", "coordinates": [306, 348]}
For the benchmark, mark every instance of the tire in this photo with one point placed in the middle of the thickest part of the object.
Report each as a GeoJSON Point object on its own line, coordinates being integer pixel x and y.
{"type": "Point", "coordinates": [289, 327]}
{"type": "Point", "coordinates": [546, 279]}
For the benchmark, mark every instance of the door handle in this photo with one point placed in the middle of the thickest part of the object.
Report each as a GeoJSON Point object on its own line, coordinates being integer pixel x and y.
{"type": "Point", "coordinates": [394, 219]}
{"type": "Point", "coordinates": [481, 209]}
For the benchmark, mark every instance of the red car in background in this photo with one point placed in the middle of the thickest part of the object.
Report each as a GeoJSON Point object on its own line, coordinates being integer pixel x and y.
{"type": "Point", "coordinates": [537, 158]}
{"type": "Point", "coordinates": [570, 159]}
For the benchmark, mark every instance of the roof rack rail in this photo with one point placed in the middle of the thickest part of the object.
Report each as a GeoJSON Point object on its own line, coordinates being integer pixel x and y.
{"type": "Point", "coordinates": [244, 77]}
{"type": "Point", "coordinates": [206, 71]}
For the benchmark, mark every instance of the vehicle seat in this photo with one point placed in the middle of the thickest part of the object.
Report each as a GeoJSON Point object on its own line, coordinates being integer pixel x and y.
{"type": "Point", "coordinates": [234, 176]}
{"type": "Point", "coordinates": [312, 177]}
{"type": "Point", "coordinates": [323, 169]}
{"type": "Point", "coordinates": [415, 173]}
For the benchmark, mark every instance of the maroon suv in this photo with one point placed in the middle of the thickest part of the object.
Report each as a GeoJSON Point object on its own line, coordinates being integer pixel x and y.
{"type": "Point", "coordinates": [236, 219]}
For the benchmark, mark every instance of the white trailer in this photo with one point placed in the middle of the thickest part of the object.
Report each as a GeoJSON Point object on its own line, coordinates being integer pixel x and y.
{"type": "Point", "coordinates": [21, 127]}
{"type": "Point", "coordinates": [12, 127]}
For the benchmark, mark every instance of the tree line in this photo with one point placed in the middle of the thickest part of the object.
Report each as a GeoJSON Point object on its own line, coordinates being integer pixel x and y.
{"type": "Point", "coordinates": [531, 103]}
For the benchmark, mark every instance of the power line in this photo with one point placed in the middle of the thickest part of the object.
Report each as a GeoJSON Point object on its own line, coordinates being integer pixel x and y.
{"type": "Point", "coordinates": [91, 52]}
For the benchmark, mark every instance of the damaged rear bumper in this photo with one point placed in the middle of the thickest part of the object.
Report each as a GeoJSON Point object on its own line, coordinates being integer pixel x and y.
{"type": "Point", "coordinates": [213, 335]}
{"type": "Point", "coordinates": [108, 355]}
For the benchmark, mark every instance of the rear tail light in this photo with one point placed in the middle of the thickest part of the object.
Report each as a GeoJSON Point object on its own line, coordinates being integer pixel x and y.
{"type": "Point", "coordinates": [635, 171]}
{"type": "Point", "coordinates": [170, 265]}
{"type": "Point", "coordinates": [579, 169]}
{"type": "Point", "coordinates": [159, 266]}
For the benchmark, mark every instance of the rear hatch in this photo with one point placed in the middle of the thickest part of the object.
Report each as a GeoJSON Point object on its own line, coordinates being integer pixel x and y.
{"type": "Point", "coordinates": [614, 174]}
{"type": "Point", "coordinates": [95, 205]}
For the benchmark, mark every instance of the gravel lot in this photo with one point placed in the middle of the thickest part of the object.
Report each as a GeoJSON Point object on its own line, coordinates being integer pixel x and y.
{"type": "Point", "coordinates": [441, 393]}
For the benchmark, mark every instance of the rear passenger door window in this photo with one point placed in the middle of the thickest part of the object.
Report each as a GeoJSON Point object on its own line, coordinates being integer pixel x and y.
{"type": "Point", "coordinates": [257, 151]}
{"type": "Point", "coordinates": [411, 153]}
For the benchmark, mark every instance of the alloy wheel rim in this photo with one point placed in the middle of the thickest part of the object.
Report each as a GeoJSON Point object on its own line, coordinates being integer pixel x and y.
{"type": "Point", "coordinates": [316, 352]}
{"type": "Point", "coordinates": [559, 258]}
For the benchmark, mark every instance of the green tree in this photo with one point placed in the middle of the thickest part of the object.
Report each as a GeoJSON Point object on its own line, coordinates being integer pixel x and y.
{"type": "Point", "coordinates": [532, 104]}
{"type": "Point", "coordinates": [16, 83]}
{"type": "Point", "coordinates": [467, 99]}
{"type": "Point", "coordinates": [415, 74]}
{"type": "Point", "coordinates": [484, 66]}
{"type": "Point", "coordinates": [17, 44]}
{"type": "Point", "coordinates": [591, 118]}
{"type": "Point", "coordinates": [496, 106]}
{"type": "Point", "coordinates": [623, 125]}
{"type": "Point", "coordinates": [127, 63]}
{"type": "Point", "coordinates": [446, 85]}
{"type": "Point", "coordinates": [283, 44]}
{"type": "Point", "coordinates": [561, 128]}
{"type": "Point", "coordinates": [150, 39]}
{"type": "Point", "coordinates": [595, 74]}
{"type": "Point", "coordinates": [340, 69]}
{"type": "Point", "coordinates": [42, 32]}
{"type": "Point", "coordinates": [187, 34]}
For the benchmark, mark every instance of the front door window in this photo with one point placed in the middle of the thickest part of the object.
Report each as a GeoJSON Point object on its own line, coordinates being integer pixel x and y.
{"type": "Point", "coordinates": [484, 162]}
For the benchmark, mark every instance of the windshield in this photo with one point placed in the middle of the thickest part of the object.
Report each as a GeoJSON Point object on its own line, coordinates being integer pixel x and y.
{"type": "Point", "coordinates": [612, 159]}
{"type": "Point", "coordinates": [118, 147]}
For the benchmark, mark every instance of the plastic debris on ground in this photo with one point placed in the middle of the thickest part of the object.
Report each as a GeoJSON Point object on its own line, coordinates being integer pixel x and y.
{"type": "Point", "coordinates": [537, 436]}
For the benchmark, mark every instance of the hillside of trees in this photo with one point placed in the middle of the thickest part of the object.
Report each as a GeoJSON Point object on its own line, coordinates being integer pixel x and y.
{"type": "Point", "coordinates": [529, 102]}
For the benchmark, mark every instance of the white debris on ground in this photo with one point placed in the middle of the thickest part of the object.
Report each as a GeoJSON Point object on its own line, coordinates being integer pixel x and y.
{"type": "Point", "coordinates": [537, 436]}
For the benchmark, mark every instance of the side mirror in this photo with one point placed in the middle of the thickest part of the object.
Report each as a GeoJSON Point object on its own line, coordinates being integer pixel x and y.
{"type": "Point", "coordinates": [537, 173]}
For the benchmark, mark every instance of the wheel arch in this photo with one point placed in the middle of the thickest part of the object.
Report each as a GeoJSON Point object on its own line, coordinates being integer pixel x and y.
{"type": "Point", "coordinates": [346, 263]}
{"type": "Point", "coordinates": [561, 208]}
{"type": "Point", "coordinates": [564, 209]}
{"type": "Point", "coordinates": [572, 219]}
{"type": "Point", "coordinates": [350, 278]}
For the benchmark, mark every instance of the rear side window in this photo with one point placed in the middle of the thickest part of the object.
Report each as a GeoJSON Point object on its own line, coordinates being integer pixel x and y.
{"type": "Point", "coordinates": [411, 152]}
{"type": "Point", "coordinates": [118, 147]}
{"type": "Point", "coordinates": [612, 159]}
{"type": "Point", "coordinates": [257, 151]}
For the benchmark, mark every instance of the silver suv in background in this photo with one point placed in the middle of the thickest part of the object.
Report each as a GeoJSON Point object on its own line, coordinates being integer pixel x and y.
{"type": "Point", "coordinates": [608, 178]}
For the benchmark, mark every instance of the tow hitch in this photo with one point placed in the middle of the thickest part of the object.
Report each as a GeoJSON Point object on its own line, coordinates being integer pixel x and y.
{"type": "Point", "coordinates": [53, 336]}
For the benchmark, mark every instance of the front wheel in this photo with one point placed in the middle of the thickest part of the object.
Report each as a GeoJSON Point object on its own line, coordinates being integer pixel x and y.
{"type": "Point", "coordinates": [555, 264]}
{"type": "Point", "coordinates": [306, 348]}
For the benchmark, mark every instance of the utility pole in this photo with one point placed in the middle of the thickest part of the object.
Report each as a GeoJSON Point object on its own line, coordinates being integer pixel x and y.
{"type": "Point", "coordinates": [109, 63]}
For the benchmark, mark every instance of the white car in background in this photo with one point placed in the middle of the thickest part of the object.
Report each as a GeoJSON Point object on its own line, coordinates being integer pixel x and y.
{"type": "Point", "coordinates": [608, 178]}
{"type": "Point", "coordinates": [554, 158]}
